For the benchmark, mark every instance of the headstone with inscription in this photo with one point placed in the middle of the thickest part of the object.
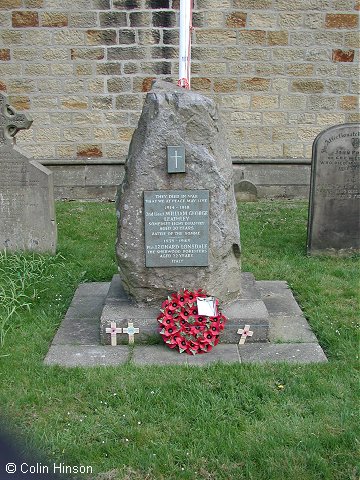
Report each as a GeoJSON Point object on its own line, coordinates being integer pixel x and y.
{"type": "Point", "coordinates": [27, 213]}
{"type": "Point", "coordinates": [334, 208]}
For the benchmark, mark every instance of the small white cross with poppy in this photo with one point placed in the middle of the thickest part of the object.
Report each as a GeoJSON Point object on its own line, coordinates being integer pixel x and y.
{"type": "Point", "coordinates": [113, 330]}
{"type": "Point", "coordinates": [244, 332]}
{"type": "Point", "coordinates": [131, 330]}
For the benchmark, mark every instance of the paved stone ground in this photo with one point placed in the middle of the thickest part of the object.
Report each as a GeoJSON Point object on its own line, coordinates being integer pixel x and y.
{"type": "Point", "coordinates": [77, 342]}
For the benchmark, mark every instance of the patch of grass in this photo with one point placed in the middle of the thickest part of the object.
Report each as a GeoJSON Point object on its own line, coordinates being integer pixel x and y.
{"type": "Point", "coordinates": [87, 233]}
{"type": "Point", "coordinates": [22, 278]}
{"type": "Point", "coordinates": [327, 288]}
{"type": "Point", "coordinates": [258, 422]}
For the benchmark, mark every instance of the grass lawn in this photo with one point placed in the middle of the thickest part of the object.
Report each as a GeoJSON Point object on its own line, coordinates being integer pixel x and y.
{"type": "Point", "coordinates": [258, 422]}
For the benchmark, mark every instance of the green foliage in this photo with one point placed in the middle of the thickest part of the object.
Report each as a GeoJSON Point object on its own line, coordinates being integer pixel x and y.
{"type": "Point", "coordinates": [22, 279]}
{"type": "Point", "coordinates": [253, 422]}
{"type": "Point", "coordinates": [87, 234]}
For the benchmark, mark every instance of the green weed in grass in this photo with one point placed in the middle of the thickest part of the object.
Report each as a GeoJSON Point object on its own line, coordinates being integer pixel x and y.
{"type": "Point", "coordinates": [20, 278]}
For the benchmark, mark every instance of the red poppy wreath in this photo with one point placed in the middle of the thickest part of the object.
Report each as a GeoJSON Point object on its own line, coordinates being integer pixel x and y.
{"type": "Point", "coordinates": [181, 326]}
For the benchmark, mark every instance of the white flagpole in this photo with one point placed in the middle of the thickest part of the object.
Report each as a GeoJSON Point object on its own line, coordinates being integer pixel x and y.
{"type": "Point", "coordinates": [185, 43]}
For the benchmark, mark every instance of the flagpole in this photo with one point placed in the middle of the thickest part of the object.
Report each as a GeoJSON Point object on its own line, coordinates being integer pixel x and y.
{"type": "Point", "coordinates": [185, 43]}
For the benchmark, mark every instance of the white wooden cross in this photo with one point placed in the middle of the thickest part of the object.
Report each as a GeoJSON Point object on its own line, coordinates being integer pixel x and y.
{"type": "Point", "coordinates": [244, 332]}
{"type": "Point", "coordinates": [113, 330]}
{"type": "Point", "coordinates": [131, 330]}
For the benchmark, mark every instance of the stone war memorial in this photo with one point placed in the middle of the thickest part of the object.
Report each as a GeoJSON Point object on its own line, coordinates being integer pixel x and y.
{"type": "Point", "coordinates": [177, 217]}
{"type": "Point", "coordinates": [178, 252]}
{"type": "Point", "coordinates": [178, 231]}
{"type": "Point", "coordinates": [334, 207]}
{"type": "Point", "coordinates": [27, 212]}
{"type": "Point", "coordinates": [165, 214]}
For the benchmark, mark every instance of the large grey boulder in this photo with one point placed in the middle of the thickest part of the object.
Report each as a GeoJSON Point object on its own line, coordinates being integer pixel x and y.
{"type": "Point", "coordinates": [175, 116]}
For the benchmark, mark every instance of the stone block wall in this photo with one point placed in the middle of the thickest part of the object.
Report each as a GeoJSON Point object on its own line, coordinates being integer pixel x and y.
{"type": "Point", "coordinates": [281, 71]}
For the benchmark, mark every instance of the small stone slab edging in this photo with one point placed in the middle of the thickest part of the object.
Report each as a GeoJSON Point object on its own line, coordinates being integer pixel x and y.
{"type": "Point", "coordinates": [77, 341]}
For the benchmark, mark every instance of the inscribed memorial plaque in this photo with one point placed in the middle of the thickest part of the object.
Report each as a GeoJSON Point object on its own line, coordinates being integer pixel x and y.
{"type": "Point", "coordinates": [334, 209]}
{"type": "Point", "coordinates": [176, 228]}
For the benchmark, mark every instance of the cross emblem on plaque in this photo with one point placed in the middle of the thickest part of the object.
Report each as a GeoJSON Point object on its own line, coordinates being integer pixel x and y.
{"type": "Point", "coordinates": [131, 330]}
{"type": "Point", "coordinates": [244, 332]}
{"type": "Point", "coordinates": [11, 122]}
{"type": "Point", "coordinates": [176, 159]}
{"type": "Point", "coordinates": [113, 330]}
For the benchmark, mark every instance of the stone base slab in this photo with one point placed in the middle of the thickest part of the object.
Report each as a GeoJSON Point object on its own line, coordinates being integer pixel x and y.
{"type": "Point", "coordinates": [77, 341]}
{"type": "Point", "coordinates": [250, 310]}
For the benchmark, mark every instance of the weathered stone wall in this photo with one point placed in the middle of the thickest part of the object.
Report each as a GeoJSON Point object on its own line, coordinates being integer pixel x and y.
{"type": "Point", "coordinates": [281, 71]}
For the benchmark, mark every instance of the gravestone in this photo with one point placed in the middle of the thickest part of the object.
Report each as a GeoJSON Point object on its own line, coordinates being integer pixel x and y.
{"type": "Point", "coordinates": [245, 191]}
{"type": "Point", "coordinates": [27, 213]}
{"type": "Point", "coordinates": [334, 207]}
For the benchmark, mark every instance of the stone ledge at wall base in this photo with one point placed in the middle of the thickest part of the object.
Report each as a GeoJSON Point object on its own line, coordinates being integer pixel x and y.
{"type": "Point", "coordinates": [248, 309]}
{"type": "Point", "coordinates": [74, 180]}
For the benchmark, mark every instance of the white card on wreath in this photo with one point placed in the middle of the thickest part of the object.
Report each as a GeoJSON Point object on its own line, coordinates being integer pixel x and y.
{"type": "Point", "coordinates": [207, 306]}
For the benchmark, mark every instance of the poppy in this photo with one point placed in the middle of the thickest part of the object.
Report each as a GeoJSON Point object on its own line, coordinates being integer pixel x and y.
{"type": "Point", "coordinates": [172, 341]}
{"type": "Point", "coordinates": [197, 330]}
{"type": "Point", "coordinates": [209, 337]}
{"type": "Point", "coordinates": [189, 297]}
{"type": "Point", "coordinates": [215, 328]}
{"type": "Point", "coordinates": [171, 328]}
{"type": "Point", "coordinates": [184, 314]}
{"type": "Point", "coordinates": [165, 317]}
{"type": "Point", "coordinates": [182, 344]}
{"type": "Point", "coordinates": [173, 305]}
{"type": "Point", "coordinates": [181, 299]}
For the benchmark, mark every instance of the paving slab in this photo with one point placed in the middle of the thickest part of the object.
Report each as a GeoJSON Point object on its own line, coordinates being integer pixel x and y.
{"type": "Point", "coordinates": [78, 331]}
{"type": "Point", "coordinates": [157, 355]}
{"type": "Point", "coordinates": [275, 287]}
{"type": "Point", "coordinates": [86, 355]}
{"type": "Point", "coordinates": [222, 353]}
{"type": "Point", "coordinates": [278, 298]}
{"type": "Point", "coordinates": [121, 311]}
{"type": "Point", "coordinates": [116, 290]}
{"type": "Point", "coordinates": [249, 288]}
{"type": "Point", "coordinates": [247, 309]}
{"type": "Point", "coordinates": [92, 289]}
{"type": "Point", "coordinates": [85, 306]}
{"type": "Point", "coordinates": [282, 352]}
{"type": "Point", "coordinates": [292, 329]}
{"type": "Point", "coordinates": [162, 355]}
